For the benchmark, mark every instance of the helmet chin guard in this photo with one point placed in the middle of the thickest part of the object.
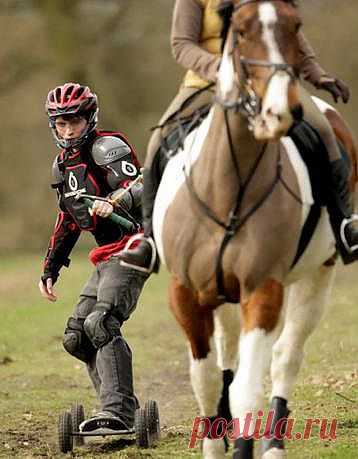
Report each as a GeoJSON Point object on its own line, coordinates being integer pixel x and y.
{"type": "Point", "coordinates": [74, 143]}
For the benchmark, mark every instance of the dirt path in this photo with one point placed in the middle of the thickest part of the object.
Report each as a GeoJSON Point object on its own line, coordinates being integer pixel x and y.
{"type": "Point", "coordinates": [38, 379]}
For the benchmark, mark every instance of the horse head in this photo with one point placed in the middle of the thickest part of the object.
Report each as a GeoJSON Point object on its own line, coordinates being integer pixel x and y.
{"type": "Point", "coordinates": [259, 69]}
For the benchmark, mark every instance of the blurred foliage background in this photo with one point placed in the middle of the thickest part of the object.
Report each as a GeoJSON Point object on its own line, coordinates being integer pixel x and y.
{"type": "Point", "coordinates": [121, 49]}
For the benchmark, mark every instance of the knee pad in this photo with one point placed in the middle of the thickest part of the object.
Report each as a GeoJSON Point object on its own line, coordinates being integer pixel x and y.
{"type": "Point", "coordinates": [101, 327]}
{"type": "Point", "coordinates": [76, 342]}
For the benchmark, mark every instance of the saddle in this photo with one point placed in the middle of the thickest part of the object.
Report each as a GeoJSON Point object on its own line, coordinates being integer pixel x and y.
{"type": "Point", "coordinates": [176, 129]}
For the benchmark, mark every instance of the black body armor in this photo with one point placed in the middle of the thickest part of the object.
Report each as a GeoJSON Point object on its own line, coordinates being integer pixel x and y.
{"type": "Point", "coordinates": [104, 164]}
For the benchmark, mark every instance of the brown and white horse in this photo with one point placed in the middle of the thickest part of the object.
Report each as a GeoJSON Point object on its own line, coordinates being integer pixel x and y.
{"type": "Point", "coordinates": [227, 223]}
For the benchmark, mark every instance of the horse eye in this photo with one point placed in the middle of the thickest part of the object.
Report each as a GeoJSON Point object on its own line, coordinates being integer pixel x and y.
{"type": "Point", "coordinates": [298, 27]}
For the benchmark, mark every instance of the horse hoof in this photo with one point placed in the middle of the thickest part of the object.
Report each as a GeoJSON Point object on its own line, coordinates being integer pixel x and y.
{"type": "Point", "coordinates": [275, 453]}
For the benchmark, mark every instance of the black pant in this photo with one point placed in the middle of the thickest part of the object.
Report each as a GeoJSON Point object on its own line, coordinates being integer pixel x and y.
{"type": "Point", "coordinates": [110, 368]}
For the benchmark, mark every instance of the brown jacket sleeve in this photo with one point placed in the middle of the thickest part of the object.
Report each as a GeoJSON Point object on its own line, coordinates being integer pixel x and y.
{"type": "Point", "coordinates": [185, 40]}
{"type": "Point", "coordinates": [310, 69]}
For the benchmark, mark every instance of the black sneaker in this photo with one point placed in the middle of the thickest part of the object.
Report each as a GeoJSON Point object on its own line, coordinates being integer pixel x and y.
{"type": "Point", "coordinates": [104, 420]}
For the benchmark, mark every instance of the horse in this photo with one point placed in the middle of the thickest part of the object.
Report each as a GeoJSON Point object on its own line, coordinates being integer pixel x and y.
{"type": "Point", "coordinates": [229, 219]}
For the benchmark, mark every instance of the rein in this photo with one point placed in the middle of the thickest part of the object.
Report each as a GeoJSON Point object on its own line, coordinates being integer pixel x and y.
{"type": "Point", "coordinates": [234, 222]}
{"type": "Point", "coordinates": [249, 105]}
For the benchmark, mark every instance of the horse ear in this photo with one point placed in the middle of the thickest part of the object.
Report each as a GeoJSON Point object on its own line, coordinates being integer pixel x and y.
{"type": "Point", "coordinates": [225, 10]}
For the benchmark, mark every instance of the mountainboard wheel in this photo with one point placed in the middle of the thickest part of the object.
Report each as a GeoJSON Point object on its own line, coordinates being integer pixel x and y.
{"type": "Point", "coordinates": [141, 429]}
{"type": "Point", "coordinates": [65, 439]}
{"type": "Point", "coordinates": [78, 416]}
{"type": "Point", "coordinates": [152, 414]}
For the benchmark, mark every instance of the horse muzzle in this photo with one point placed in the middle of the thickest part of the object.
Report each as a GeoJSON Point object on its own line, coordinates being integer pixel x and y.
{"type": "Point", "coordinates": [280, 108]}
{"type": "Point", "coordinates": [269, 125]}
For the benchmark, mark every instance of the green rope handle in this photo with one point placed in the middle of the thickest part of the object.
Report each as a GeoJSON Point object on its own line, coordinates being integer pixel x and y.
{"type": "Point", "coordinates": [113, 217]}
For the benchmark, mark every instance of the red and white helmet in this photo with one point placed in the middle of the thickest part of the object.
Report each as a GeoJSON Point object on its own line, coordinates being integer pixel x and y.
{"type": "Point", "coordinates": [72, 99]}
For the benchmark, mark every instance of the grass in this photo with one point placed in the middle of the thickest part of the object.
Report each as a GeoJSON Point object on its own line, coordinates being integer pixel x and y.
{"type": "Point", "coordinates": [38, 379]}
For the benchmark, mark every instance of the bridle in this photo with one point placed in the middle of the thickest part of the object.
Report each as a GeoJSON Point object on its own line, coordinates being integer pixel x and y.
{"type": "Point", "coordinates": [248, 102]}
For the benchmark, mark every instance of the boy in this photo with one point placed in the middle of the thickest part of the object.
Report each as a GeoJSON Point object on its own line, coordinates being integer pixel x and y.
{"type": "Point", "coordinates": [100, 163]}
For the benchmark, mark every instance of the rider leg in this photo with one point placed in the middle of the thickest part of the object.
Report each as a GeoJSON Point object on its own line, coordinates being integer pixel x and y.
{"type": "Point", "coordinates": [339, 203]}
{"type": "Point", "coordinates": [141, 256]}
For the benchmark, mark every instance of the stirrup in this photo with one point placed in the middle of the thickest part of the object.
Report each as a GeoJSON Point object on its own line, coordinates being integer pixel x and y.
{"type": "Point", "coordinates": [150, 241]}
{"type": "Point", "coordinates": [344, 224]}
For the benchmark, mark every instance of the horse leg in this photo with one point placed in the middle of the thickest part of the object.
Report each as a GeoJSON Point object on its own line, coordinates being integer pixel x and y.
{"type": "Point", "coordinates": [226, 334]}
{"type": "Point", "coordinates": [260, 317]}
{"type": "Point", "coordinates": [306, 302]}
{"type": "Point", "coordinates": [206, 377]}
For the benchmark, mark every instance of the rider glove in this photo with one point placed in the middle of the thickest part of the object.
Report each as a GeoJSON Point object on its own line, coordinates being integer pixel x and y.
{"type": "Point", "coordinates": [336, 87]}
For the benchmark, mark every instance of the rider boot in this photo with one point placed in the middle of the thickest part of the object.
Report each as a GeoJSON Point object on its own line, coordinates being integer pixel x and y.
{"type": "Point", "coordinates": [341, 214]}
{"type": "Point", "coordinates": [144, 256]}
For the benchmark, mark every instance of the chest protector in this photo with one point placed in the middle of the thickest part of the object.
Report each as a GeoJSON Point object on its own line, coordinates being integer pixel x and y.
{"type": "Point", "coordinates": [103, 165]}
{"type": "Point", "coordinates": [78, 175]}
{"type": "Point", "coordinates": [210, 39]}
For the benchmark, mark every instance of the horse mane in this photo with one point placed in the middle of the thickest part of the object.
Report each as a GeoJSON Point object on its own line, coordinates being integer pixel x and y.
{"type": "Point", "coordinates": [225, 11]}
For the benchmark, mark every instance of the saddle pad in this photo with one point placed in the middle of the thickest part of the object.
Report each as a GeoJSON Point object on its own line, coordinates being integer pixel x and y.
{"type": "Point", "coordinates": [182, 127]}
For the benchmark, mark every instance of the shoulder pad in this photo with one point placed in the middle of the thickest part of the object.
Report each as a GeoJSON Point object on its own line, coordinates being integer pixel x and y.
{"type": "Point", "coordinates": [107, 149]}
{"type": "Point", "coordinates": [57, 175]}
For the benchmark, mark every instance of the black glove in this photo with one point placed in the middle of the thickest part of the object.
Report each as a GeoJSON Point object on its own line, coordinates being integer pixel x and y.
{"type": "Point", "coordinates": [53, 276]}
{"type": "Point", "coordinates": [337, 88]}
{"type": "Point", "coordinates": [52, 270]}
